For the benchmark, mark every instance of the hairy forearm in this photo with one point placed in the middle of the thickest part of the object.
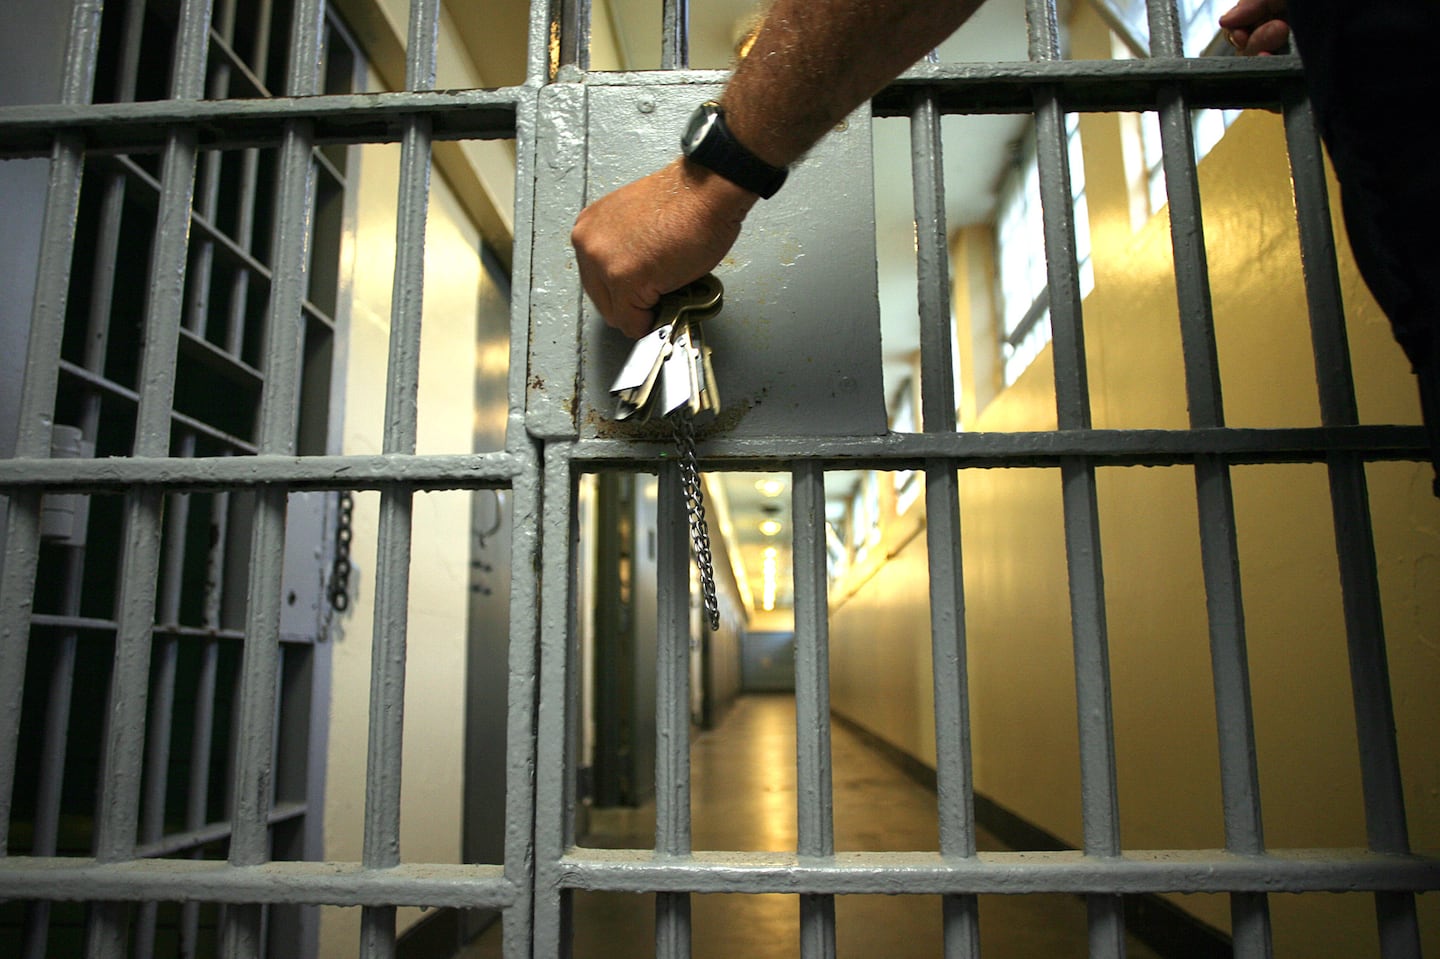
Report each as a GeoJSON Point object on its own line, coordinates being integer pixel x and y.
{"type": "Point", "coordinates": [814, 61]}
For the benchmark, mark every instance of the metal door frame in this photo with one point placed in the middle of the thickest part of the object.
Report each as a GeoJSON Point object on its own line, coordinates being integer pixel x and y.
{"type": "Point", "coordinates": [544, 457]}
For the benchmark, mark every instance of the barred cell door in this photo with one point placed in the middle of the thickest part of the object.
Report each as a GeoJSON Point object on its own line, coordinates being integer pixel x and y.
{"type": "Point", "coordinates": [221, 503]}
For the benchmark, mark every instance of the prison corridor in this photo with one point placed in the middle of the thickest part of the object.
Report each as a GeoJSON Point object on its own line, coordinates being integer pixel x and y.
{"type": "Point", "coordinates": [743, 798]}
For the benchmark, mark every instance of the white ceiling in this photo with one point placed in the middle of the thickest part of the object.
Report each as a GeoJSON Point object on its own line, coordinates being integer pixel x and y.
{"type": "Point", "coordinates": [976, 151]}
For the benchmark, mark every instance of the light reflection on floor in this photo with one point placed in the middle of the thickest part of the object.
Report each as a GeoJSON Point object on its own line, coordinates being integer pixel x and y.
{"type": "Point", "coordinates": [743, 798]}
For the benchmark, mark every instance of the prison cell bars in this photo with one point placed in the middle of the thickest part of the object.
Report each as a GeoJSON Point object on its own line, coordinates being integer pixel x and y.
{"type": "Point", "coordinates": [120, 779]}
{"type": "Point", "coordinates": [1099, 799]}
{"type": "Point", "coordinates": [62, 673]}
{"type": "Point", "coordinates": [242, 926]}
{"type": "Point", "coordinates": [672, 710]}
{"type": "Point", "coordinates": [37, 402]}
{"type": "Point", "coordinates": [814, 790]}
{"type": "Point", "coordinates": [672, 721]}
{"type": "Point", "coordinates": [151, 882]}
{"type": "Point", "coordinates": [1077, 455]}
{"type": "Point", "coordinates": [955, 794]}
{"type": "Point", "coordinates": [1239, 775]}
{"type": "Point", "coordinates": [1385, 821]}
{"type": "Point", "coordinates": [393, 542]}
{"type": "Point", "coordinates": [168, 635]}
{"type": "Point", "coordinates": [385, 888]}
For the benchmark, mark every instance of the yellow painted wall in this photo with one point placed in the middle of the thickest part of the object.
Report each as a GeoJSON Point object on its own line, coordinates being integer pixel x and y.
{"type": "Point", "coordinates": [1022, 679]}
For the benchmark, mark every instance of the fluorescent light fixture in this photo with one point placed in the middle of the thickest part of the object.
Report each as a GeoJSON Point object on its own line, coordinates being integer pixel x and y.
{"type": "Point", "coordinates": [770, 487]}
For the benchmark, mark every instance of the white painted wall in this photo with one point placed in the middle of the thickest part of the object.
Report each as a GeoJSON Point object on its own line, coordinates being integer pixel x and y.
{"type": "Point", "coordinates": [439, 579]}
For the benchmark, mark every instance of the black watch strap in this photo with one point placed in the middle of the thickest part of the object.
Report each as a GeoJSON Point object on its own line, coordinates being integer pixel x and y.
{"type": "Point", "coordinates": [709, 142]}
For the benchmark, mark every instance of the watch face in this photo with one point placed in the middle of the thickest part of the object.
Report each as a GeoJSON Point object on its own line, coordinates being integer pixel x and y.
{"type": "Point", "coordinates": [700, 123]}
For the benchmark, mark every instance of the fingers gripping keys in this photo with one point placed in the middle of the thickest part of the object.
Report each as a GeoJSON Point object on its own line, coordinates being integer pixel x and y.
{"type": "Point", "coordinates": [669, 368]}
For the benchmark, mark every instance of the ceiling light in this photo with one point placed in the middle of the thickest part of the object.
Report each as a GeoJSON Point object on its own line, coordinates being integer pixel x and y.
{"type": "Point", "coordinates": [770, 527]}
{"type": "Point", "coordinates": [770, 487]}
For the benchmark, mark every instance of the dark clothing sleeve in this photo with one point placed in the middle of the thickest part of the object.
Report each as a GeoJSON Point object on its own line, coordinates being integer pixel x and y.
{"type": "Point", "coordinates": [1372, 78]}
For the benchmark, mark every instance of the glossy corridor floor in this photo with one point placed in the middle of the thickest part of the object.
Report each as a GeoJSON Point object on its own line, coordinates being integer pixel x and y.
{"type": "Point", "coordinates": [743, 797]}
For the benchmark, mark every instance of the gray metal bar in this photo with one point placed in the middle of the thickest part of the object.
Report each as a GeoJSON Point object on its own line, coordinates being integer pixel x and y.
{"type": "Point", "coordinates": [191, 839]}
{"type": "Point", "coordinates": [198, 314]}
{"type": "Point", "coordinates": [46, 827]}
{"type": "Point", "coordinates": [434, 885]}
{"type": "Point", "coordinates": [675, 35]}
{"type": "Point", "coordinates": [224, 124]}
{"type": "Point", "coordinates": [202, 737]}
{"type": "Point", "coordinates": [557, 730]}
{"type": "Point", "coordinates": [1235, 725]}
{"type": "Point", "coordinates": [243, 240]}
{"type": "Point", "coordinates": [672, 709]}
{"type": "Point", "coordinates": [62, 674]}
{"type": "Point", "coordinates": [522, 765]}
{"type": "Point", "coordinates": [162, 701]}
{"type": "Point", "coordinates": [1234, 717]}
{"type": "Point", "coordinates": [444, 471]}
{"type": "Point", "coordinates": [968, 89]}
{"type": "Point", "coordinates": [556, 300]}
{"type": "Point", "coordinates": [249, 179]}
{"type": "Point", "coordinates": [529, 609]}
{"type": "Point", "coordinates": [1187, 236]}
{"type": "Point", "coordinates": [1385, 821]}
{"type": "Point", "coordinates": [120, 780]}
{"type": "Point", "coordinates": [152, 439]}
{"type": "Point", "coordinates": [392, 580]}
{"type": "Point", "coordinates": [1317, 259]}
{"type": "Point", "coordinates": [242, 927]}
{"type": "Point", "coordinates": [200, 751]}
{"type": "Point", "coordinates": [638, 870]}
{"type": "Point", "coordinates": [1099, 797]}
{"type": "Point", "coordinates": [1072, 388]}
{"type": "Point", "coordinates": [893, 451]}
{"type": "Point", "coordinates": [982, 450]}
{"type": "Point", "coordinates": [37, 399]}
{"type": "Point", "coordinates": [179, 419]}
{"type": "Point", "coordinates": [573, 49]}
{"type": "Point", "coordinates": [537, 51]}
{"type": "Point", "coordinates": [814, 796]}
{"type": "Point", "coordinates": [1384, 805]}
{"type": "Point", "coordinates": [954, 783]}
{"type": "Point", "coordinates": [929, 873]}
{"type": "Point", "coordinates": [932, 253]}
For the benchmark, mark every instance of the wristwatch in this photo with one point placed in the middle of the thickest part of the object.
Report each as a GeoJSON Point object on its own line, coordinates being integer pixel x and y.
{"type": "Point", "coordinates": [709, 142]}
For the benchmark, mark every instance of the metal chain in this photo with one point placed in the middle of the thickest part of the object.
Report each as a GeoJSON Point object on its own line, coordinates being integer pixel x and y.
{"type": "Point", "coordinates": [684, 427]}
{"type": "Point", "coordinates": [340, 571]}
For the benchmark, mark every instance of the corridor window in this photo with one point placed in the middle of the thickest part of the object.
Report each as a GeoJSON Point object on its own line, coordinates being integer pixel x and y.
{"type": "Point", "coordinates": [1199, 24]}
{"type": "Point", "coordinates": [864, 516]}
{"type": "Point", "coordinates": [907, 482]}
{"type": "Point", "coordinates": [1144, 163]}
{"type": "Point", "coordinates": [1024, 293]}
{"type": "Point", "coordinates": [1208, 127]}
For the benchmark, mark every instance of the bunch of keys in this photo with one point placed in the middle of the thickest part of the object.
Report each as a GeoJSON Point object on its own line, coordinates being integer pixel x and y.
{"type": "Point", "coordinates": [669, 368]}
{"type": "Point", "coordinates": [669, 373]}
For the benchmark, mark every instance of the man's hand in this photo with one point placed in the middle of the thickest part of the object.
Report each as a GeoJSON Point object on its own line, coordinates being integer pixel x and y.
{"type": "Point", "coordinates": [653, 236]}
{"type": "Point", "coordinates": [1256, 27]}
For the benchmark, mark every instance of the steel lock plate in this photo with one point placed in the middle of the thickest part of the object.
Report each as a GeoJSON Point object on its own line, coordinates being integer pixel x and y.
{"type": "Point", "coordinates": [797, 345]}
